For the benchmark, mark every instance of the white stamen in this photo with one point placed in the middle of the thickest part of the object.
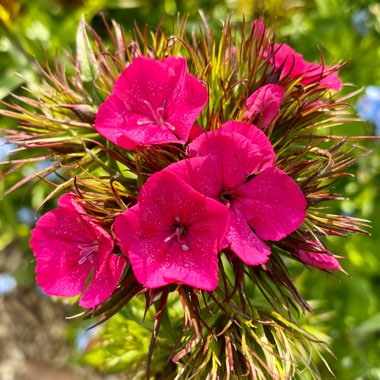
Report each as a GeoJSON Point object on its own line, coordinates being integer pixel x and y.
{"type": "Point", "coordinates": [144, 122]}
{"type": "Point", "coordinates": [171, 127]}
{"type": "Point", "coordinates": [157, 116]}
{"type": "Point", "coordinates": [178, 234]}
{"type": "Point", "coordinates": [170, 237]}
{"type": "Point", "coordinates": [88, 250]}
{"type": "Point", "coordinates": [82, 260]}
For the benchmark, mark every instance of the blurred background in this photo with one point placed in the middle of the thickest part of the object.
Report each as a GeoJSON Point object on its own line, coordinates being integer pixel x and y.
{"type": "Point", "coordinates": [36, 342]}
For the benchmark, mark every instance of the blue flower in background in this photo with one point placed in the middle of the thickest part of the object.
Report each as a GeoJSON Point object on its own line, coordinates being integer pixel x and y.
{"type": "Point", "coordinates": [7, 283]}
{"type": "Point", "coordinates": [368, 106]}
{"type": "Point", "coordinates": [83, 338]}
{"type": "Point", "coordinates": [25, 215]}
{"type": "Point", "coordinates": [360, 20]}
{"type": "Point", "coordinates": [5, 149]}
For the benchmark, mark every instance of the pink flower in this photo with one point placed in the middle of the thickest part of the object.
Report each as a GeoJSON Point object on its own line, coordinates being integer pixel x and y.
{"type": "Point", "coordinates": [293, 64]}
{"type": "Point", "coordinates": [152, 102]}
{"type": "Point", "coordinates": [263, 106]}
{"type": "Point", "coordinates": [173, 234]}
{"type": "Point", "coordinates": [258, 29]}
{"type": "Point", "coordinates": [69, 245]}
{"type": "Point", "coordinates": [321, 258]}
{"type": "Point", "coordinates": [267, 206]}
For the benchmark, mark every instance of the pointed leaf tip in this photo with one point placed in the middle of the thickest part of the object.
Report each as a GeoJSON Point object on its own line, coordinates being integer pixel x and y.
{"type": "Point", "coordinates": [85, 55]}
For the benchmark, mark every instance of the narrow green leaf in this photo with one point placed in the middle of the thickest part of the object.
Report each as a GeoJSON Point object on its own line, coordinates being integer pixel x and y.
{"type": "Point", "coordinates": [86, 58]}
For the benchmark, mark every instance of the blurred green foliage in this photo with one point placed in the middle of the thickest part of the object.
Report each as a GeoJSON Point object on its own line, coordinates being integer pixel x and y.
{"type": "Point", "coordinates": [348, 306]}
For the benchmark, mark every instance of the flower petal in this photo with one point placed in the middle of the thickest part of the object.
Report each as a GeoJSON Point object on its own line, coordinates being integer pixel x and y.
{"type": "Point", "coordinates": [319, 260]}
{"type": "Point", "coordinates": [185, 104]}
{"type": "Point", "coordinates": [263, 106]}
{"type": "Point", "coordinates": [196, 172]}
{"type": "Point", "coordinates": [321, 74]}
{"type": "Point", "coordinates": [272, 203]}
{"type": "Point", "coordinates": [125, 128]}
{"type": "Point", "coordinates": [244, 242]}
{"type": "Point", "coordinates": [56, 241]}
{"type": "Point", "coordinates": [106, 276]}
{"type": "Point", "coordinates": [232, 154]}
{"type": "Point", "coordinates": [262, 145]}
{"type": "Point", "coordinates": [148, 79]}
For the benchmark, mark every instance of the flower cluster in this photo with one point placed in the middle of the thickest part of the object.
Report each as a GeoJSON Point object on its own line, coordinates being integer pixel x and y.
{"type": "Point", "coordinates": [226, 194]}
{"type": "Point", "coordinates": [199, 176]}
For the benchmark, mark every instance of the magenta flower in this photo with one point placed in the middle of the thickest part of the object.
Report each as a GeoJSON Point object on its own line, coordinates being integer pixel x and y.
{"type": "Point", "coordinates": [267, 206]}
{"type": "Point", "coordinates": [152, 102]}
{"type": "Point", "coordinates": [293, 64]}
{"type": "Point", "coordinates": [173, 234]}
{"type": "Point", "coordinates": [263, 106]}
{"type": "Point", "coordinates": [69, 245]}
{"type": "Point", "coordinates": [321, 258]}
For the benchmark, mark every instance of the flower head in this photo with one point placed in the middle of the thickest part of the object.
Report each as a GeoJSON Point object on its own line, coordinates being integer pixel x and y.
{"type": "Point", "coordinates": [267, 206]}
{"type": "Point", "coordinates": [173, 234]}
{"type": "Point", "coordinates": [321, 258]}
{"type": "Point", "coordinates": [292, 64]}
{"type": "Point", "coordinates": [69, 245]}
{"type": "Point", "coordinates": [263, 106]}
{"type": "Point", "coordinates": [152, 102]}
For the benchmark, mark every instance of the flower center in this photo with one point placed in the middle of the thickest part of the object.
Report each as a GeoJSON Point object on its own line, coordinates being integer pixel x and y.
{"type": "Point", "coordinates": [178, 234]}
{"type": "Point", "coordinates": [88, 251]}
{"type": "Point", "coordinates": [157, 116]}
{"type": "Point", "coordinates": [226, 196]}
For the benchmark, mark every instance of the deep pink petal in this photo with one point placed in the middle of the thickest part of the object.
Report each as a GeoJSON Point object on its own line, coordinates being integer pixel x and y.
{"type": "Point", "coordinates": [319, 260]}
{"type": "Point", "coordinates": [258, 29]}
{"type": "Point", "coordinates": [156, 265]}
{"type": "Point", "coordinates": [127, 129]}
{"type": "Point", "coordinates": [127, 228]}
{"type": "Point", "coordinates": [263, 106]}
{"type": "Point", "coordinates": [68, 201]}
{"type": "Point", "coordinates": [262, 145]}
{"type": "Point", "coordinates": [288, 60]}
{"type": "Point", "coordinates": [148, 79]}
{"type": "Point", "coordinates": [272, 203]}
{"type": "Point", "coordinates": [244, 242]}
{"type": "Point", "coordinates": [111, 122]}
{"type": "Point", "coordinates": [331, 81]}
{"type": "Point", "coordinates": [321, 74]}
{"type": "Point", "coordinates": [106, 276]}
{"type": "Point", "coordinates": [234, 156]}
{"type": "Point", "coordinates": [196, 172]}
{"type": "Point", "coordinates": [196, 131]}
{"type": "Point", "coordinates": [56, 242]}
{"type": "Point", "coordinates": [145, 231]}
{"type": "Point", "coordinates": [185, 105]}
